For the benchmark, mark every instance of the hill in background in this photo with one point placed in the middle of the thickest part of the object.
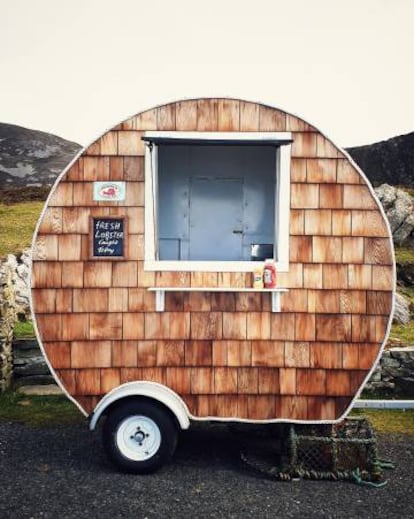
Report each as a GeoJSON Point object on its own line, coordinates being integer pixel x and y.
{"type": "Point", "coordinates": [30, 161]}
{"type": "Point", "coordinates": [390, 161]}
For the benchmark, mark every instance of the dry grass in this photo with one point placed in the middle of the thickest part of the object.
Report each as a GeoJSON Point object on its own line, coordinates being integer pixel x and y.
{"type": "Point", "coordinates": [389, 421]}
{"type": "Point", "coordinates": [17, 224]}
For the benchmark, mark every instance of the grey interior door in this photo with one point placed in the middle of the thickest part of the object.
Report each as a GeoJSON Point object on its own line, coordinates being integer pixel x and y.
{"type": "Point", "coordinates": [216, 219]}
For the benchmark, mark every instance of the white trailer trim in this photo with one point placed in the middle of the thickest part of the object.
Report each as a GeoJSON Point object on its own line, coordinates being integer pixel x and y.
{"type": "Point", "coordinates": [383, 404]}
{"type": "Point", "coordinates": [146, 389]}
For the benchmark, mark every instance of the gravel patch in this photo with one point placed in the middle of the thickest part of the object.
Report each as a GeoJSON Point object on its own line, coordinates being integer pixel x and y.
{"type": "Point", "coordinates": [62, 472]}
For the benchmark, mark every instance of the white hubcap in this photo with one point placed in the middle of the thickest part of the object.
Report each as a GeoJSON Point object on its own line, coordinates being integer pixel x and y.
{"type": "Point", "coordinates": [138, 438]}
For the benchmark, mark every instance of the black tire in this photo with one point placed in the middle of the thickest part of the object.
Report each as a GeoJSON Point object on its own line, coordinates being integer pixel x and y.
{"type": "Point", "coordinates": [132, 441]}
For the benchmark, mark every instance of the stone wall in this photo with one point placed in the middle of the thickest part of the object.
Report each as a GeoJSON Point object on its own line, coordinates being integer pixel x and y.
{"type": "Point", "coordinates": [394, 375]}
{"type": "Point", "coordinates": [29, 365]}
{"type": "Point", "coordinates": [8, 317]}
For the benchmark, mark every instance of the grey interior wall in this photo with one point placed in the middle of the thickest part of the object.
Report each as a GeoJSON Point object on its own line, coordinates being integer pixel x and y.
{"type": "Point", "coordinates": [249, 193]}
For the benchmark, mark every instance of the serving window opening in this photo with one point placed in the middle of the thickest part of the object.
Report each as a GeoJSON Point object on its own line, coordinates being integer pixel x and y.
{"type": "Point", "coordinates": [211, 203]}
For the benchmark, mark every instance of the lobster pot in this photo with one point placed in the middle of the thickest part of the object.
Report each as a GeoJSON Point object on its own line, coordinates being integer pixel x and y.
{"type": "Point", "coordinates": [341, 448]}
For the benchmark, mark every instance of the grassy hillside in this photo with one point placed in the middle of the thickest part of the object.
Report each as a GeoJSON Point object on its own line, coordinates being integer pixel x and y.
{"type": "Point", "coordinates": [17, 224]}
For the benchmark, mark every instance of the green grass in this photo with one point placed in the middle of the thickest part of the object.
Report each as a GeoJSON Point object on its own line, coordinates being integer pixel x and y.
{"type": "Point", "coordinates": [41, 411]}
{"type": "Point", "coordinates": [38, 411]}
{"type": "Point", "coordinates": [23, 329]}
{"type": "Point", "coordinates": [17, 224]}
{"type": "Point", "coordinates": [402, 333]}
{"type": "Point", "coordinates": [404, 255]}
{"type": "Point", "coordinates": [389, 421]}
{"type": "Point", "coordinates": [407, 291]}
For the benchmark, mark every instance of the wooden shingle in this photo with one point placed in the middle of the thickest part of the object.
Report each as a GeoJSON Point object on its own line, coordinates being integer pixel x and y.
{"type": "Point", "coordinates": [206, 325]}
{"type": "Point", "coordinates": [331, 196]}
{"type": "Point", "coordinates": [75, 327]}
{"type": "Point", "coordinates": [90, 300]}
{"type": "Point", "coordinates": [258, 325]}
{"type": "Point", "coordinates": [248, 380]}
{"type": "Point", "coordinates": [170, 353]}
{"type": "Point", "coordinates": [198, 353]}
{"type": "Point", "coordinates": [47, 274]}
{"type": "Point", "coordinates": [58, 354]}
{"type": "Point", "coordinates": [249, 117]}
{"type": "Point", "coordinates": [327, 249]}
{"type": "Point", "coordinates": [268, 353]}
{"type": "Point", "coordinates": [333, 327]}
{"type": "Point", "coordinates": [234, 325]}
{"type": "Point", "coordinates": [124, 354]}
{"type": "Point", "coordinates": [310, 382]}
{"type": "Point", "coordinates": [90, 354]}
{"type": "Point", "coordinates": [207, 115]}
{"type": "Point", "coordinates": [166, 117]}
{"type": "Point", "coordinates": [110, 379]}
{"type": "Point", "coordinates": [88, 381]}
{"type": "Point", "coordinates": [133, 326]}
{"type": "Point", "coordinates": [304, 144]}
{"type": "Point", "coordinates": [179, 379]}
{"type": "Point", "coordinates": [268, 381]}
{"type": "Point", "coordinates": [106, 325]}
{"type": "Point", "coordinates": [325, 355]}
{"type": "Point", "coordinates": [295, 408]}
{"type": "Point", "coordinates": [318, 222]}
{"type": "Point", "coordinates": [186, 116]}
{"type": "Point", "coordinates": [228, 115]}
{"type": "Point", "coordinates": [358, 197]}
{"type": "Point", "coordinates": [321, 170]}
{"type": "Point", "coordinates": [297, 354]}
{"type": "Point", "coordinates": [304, 196]}
{"type": "Point", "coordinates": [225, 380]}
{"type": "Point", "coordinates": [287, 381]}
{"type": "Point", "coordinates": [271, 120]}
{"type": "Point", "coordinates": [202, 381]}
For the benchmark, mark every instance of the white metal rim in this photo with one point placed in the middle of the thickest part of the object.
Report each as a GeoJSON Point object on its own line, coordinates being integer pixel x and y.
{"type": "Point", "coordinates": [138, 438]}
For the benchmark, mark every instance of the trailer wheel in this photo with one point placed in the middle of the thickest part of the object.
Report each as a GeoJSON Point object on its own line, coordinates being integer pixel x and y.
{"type": "Point", "coordinates": [139, 436]}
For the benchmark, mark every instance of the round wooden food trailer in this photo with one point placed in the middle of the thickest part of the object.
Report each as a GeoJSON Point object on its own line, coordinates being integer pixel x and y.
{"type": "Point", "coordinates": [142, 278]}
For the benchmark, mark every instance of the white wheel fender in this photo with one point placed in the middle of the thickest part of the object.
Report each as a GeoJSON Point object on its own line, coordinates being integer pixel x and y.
{"type": "Point", "coordinates": [146, 389]}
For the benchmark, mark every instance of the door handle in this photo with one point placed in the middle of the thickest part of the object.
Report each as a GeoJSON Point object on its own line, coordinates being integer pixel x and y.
{"type": "Point", "coordinates": [237, 231]}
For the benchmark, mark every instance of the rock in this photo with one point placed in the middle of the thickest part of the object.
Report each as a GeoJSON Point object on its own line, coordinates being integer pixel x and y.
{"type": "Point", "coordinates": [405, 273]}
{"type": "Point", "coordinates": [399, 207]}
{"type": "Point", "coordinates": [20, 268]}
{"type": "Point", "coordinates": [28, 360]}
{"type": "Point", "coordinates": [403, 355]}
{"type": "Point", "coordinates": [376, 376]}
{"type": "Point", "coordinates": [388, 362]}
{"type": "Point", "coordinates": [22, 284]}
{"type": "Point", "coordinates": [403, 235]}
{"type": "Point", "coordinates": [8, 317]}
{"type": "Point", "coordinates": [387, 195]}
{"type": "Point", "coordinates": [390, 373]}
{"type": "Point", "coordinates": [30, 366]}
{"type": "Point", "coordinates": [41, 390]}
{"type": "Point", "coordinates": [33, 380]}
{"type": "Point", "coordinates": [402, 312]}
{"type": "Point", "coordinates": [406, 386]}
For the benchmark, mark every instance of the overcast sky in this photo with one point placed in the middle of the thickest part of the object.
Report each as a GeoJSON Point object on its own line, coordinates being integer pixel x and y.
{"type": "Point", "coordinates": [78, 67]}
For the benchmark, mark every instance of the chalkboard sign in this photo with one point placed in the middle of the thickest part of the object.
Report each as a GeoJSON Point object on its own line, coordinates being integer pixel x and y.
{"type": "Point", "coordinates": [108, 237]}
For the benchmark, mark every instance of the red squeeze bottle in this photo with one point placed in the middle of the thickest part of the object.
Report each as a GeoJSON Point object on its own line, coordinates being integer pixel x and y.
{"type": "Point", "coordinates": [269, 274]}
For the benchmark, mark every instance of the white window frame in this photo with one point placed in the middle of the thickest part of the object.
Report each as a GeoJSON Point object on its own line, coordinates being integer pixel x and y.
{"type": "Point", "coordinates": [282, 203]}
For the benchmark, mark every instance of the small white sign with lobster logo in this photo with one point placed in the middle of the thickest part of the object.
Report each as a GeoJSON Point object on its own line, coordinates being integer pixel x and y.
{"type": "Point", "coordinates": [109, 191]}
